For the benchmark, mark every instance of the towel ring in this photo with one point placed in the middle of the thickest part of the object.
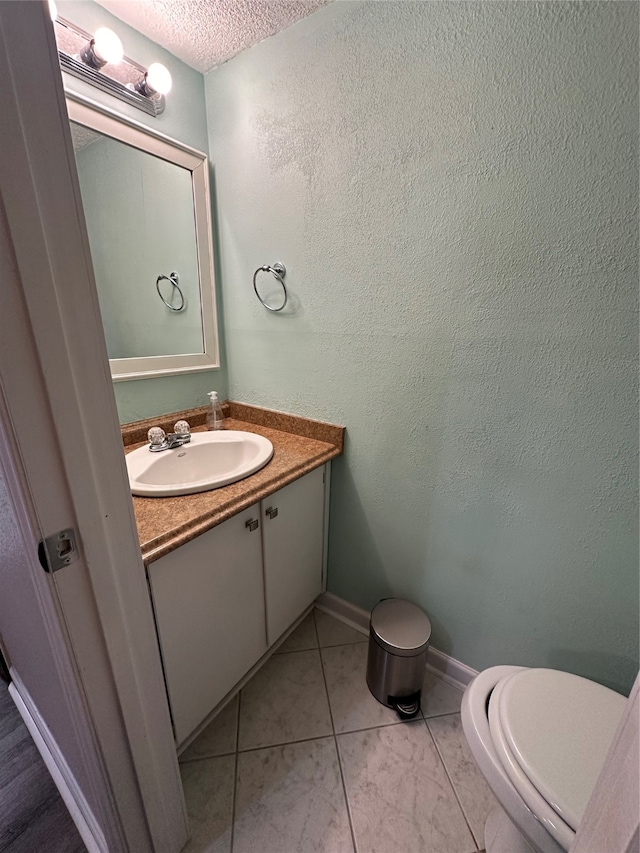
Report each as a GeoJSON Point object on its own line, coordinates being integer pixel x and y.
{"type": "Point", "coordinates": [278, 271]}
{"type": "Point", "coordinates": [175, 281]}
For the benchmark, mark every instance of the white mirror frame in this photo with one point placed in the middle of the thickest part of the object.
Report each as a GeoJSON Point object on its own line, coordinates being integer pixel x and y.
{"type": "Point", "coordinates": [93, 115]}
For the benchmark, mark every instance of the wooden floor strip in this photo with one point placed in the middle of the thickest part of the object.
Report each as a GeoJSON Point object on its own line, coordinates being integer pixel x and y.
{"type": "Point", "coordinates": [33, 816]}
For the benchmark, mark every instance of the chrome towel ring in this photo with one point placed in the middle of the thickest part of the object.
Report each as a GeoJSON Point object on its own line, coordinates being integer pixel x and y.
{"type": "Point", "coordinates": [278, 271]}
{"type": "Point", "coordinates": [175, 281]}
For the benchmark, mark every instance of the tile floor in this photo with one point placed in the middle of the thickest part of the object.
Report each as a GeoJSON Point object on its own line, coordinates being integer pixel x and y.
{"type": "Point", "coordinates": [306, 761]}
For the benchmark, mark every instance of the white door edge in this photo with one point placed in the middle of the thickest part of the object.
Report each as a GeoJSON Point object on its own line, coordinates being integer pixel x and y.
{"type": "Point", "coordinates": [64, 421]}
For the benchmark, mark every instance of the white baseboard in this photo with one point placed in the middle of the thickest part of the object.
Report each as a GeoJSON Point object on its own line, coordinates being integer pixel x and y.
{"type": "Point", "coordinates": [61, 774]}
{"type": "Point", "coordinates": [449, 669]}
{"type": "Point", "coordinates": [352, 615]}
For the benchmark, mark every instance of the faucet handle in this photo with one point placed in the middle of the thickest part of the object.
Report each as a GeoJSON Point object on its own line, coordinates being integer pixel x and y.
{"type": "Point", "coordinates": [156, 436]}
{"type": "Point", "coordinates": [182, 428]}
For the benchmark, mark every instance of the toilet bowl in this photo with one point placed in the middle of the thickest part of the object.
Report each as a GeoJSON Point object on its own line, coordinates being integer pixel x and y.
{"type": "Point", "coordinates": [540, 738]}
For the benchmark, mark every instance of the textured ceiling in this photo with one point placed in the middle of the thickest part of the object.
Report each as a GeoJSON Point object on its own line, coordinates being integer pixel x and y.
{"type": "Point", "coordinates": [205, 33]}
{"type": "Point", "coordinates": [82, 136]}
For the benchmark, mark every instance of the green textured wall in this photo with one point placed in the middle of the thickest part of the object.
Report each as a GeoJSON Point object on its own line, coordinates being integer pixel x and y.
{"type": "Point", "coordinates": [184, 119]}
{"type": "Point", "coordinates": [453, 188]}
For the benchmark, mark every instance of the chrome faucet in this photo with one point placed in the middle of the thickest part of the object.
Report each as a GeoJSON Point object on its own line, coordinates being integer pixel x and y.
{"type": "Point", "coordinates": [159, 440]}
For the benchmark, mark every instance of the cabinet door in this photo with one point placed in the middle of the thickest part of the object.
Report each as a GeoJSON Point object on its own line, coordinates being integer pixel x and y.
{"type": "Point", "coordinates": [292, 533]}
{"type": "Point", "coordinates": [208, 597]}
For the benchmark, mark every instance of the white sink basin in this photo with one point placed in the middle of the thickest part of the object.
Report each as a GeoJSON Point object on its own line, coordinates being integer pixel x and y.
{"type": "Point", "coordinates": [210, 460]}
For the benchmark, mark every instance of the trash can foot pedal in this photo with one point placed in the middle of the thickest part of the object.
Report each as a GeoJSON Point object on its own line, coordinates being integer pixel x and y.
{"type": "Point", "coordinates": [407, 707]}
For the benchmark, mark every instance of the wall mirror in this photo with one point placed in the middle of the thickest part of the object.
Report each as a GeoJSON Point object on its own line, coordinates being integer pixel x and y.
{"type": "Point", "coordinates": [147, 209]}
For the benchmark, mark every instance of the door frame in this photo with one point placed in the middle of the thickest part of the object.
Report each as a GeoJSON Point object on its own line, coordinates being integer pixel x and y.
{"type": "Point", "coordinates": [66, 451]}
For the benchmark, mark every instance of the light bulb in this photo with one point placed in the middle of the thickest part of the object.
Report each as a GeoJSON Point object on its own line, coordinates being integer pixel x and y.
{"type": "Point", "coordinates": [53, 10]}
{"type": "Point", "coordinates": [159, 78]}
{"type": "Point", "coordinates": [107, 46]}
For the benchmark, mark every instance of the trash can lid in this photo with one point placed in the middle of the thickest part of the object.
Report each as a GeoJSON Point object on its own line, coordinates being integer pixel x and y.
{"type": "Point", "coordinates": [400, 627]}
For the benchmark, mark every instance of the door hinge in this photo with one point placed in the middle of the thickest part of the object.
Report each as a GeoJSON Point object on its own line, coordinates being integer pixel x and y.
{"type": "Point", "coordinates": [58, 550]}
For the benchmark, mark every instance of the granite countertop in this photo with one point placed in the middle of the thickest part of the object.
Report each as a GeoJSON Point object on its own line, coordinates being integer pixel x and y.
{"type": "Point", "coordinates": [299, 446]}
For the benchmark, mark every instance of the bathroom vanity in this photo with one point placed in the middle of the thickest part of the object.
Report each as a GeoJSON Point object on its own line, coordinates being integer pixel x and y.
{"type": "Point", "coordinates": [231, 570]}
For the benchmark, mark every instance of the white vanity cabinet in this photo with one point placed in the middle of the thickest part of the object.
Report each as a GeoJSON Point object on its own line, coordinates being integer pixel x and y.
{"type": "Point", "coordinates": [292, 534]}
{"type": "Point", "coordinates": [208, 598]}
{"type": "Point", "coordinates": [222, 599]}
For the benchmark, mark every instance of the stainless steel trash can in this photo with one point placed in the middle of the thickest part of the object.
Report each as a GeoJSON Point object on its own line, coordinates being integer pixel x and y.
{"type": "Point", "coordinates": [399, 635]}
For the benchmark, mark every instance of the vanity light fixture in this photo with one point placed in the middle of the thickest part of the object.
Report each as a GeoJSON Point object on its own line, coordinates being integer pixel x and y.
{"type": "Point", "coordinates": [99, 60]}
{"type": "Point", "coordinates": [156, 81]}
{"type": "Point", "coordinates": [105, 47]}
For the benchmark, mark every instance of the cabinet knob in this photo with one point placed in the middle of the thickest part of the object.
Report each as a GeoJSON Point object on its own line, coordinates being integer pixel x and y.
{"type": "Point", "coordinates": [271, 511]}
{"type": "Point", "coordinates": [252, 524]}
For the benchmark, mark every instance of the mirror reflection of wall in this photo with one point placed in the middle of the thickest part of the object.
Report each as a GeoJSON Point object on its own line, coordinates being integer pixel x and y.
{"type": "Point", "coordinates": [140, 222]}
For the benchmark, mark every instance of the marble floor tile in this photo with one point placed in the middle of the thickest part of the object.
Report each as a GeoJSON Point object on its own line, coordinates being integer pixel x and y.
{"type": "Point", "coordinates": [290, 799]}
{"type": "Point", "coordinates": [333, 632]}
{"type": "Point", "coordinates": [208, 791]}
{"type": "Point", "coordinates": [439, 697]}
{"type": "Point", "coordinates": [399, 794]}
{"type": "Point", "coordinates": [219, 738]}
{"type": "Point", "coordinates": [352, 705]}
{"type": "Point", "coordinates": [303, 638]}
{"type": "Point", "coordinates": [474, 794]}
{"type": "Point", "coordinates": [285, 701]}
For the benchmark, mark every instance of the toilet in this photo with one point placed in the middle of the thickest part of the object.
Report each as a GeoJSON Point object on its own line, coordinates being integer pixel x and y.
{"type": "Point", "coordinates": [540, 738]}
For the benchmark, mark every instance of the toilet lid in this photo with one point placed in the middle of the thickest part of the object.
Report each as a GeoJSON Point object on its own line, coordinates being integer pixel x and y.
{"type": "Point", "coordinates": [559, 728]}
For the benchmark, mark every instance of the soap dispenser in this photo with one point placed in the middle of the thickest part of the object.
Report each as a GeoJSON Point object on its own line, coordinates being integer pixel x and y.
{"type": "Point", "coordinates": [214, 415]}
